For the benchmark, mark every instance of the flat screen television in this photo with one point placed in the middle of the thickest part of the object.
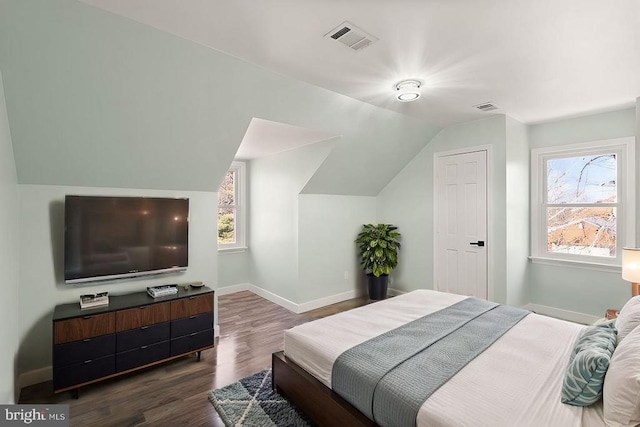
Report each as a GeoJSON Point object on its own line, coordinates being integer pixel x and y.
{"type": "Point", "coordinates": [109, 238]}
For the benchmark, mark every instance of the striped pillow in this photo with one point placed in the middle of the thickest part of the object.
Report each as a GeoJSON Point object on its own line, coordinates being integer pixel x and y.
{"type": "Point", "coordinates": [588, 364]}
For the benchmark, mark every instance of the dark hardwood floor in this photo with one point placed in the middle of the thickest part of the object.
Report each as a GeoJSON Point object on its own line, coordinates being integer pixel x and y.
{"type": "Point", "coordinates": [175, 393]}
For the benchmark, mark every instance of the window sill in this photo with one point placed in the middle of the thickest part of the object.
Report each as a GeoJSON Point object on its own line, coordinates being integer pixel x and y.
{"type": "Point", "coordinates": [234, 250]}
{"type": "Point", "coordinates": [609, 268]}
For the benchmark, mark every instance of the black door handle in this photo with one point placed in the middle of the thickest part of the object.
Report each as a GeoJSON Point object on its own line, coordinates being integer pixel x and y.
{"type": "Point", "coordinates": [478, 243]}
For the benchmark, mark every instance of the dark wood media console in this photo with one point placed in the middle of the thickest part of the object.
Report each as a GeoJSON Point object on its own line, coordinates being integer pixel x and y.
{"type": "Point", "coordinates": [133, 332]}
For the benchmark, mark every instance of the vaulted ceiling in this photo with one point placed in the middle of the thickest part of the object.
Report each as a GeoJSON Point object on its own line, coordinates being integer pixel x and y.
{"type": "Point", "coordinates": [160, 93]}
{"type": "Point", "coordinates": [536, 60]}
{"type": "Point", "coordinates": [98, 100]}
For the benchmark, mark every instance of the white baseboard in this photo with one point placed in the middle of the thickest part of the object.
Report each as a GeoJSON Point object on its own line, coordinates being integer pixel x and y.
{"type": "Point", "coordinates": [292, 306]}
{"type": "Point", "coordinates": [323, 302]}
{"type": "Point", "coordinates": [36, 376]}
{"type": "Point", "coordinates": [558, 313]}
{"type": "Point", "coordinates": [395, 292]}
{"type": "Point", "coordinates": [276, 299]}
{"type": "Point", "coordinates": [234, 288]}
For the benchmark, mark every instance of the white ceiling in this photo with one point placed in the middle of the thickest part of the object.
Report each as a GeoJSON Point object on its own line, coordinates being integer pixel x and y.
{"type": "Point", "coordinates": [265, 137]}
{"type": "Point", "coordinates": [537, 60]}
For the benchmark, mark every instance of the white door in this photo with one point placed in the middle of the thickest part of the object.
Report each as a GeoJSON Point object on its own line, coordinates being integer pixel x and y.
{"type": "Point", "coordinates": [461, 224]}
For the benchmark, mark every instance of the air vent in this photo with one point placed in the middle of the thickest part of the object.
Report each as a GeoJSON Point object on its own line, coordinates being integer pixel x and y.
{"type": "Point", "coordinates": [351, 36]}
{"type": "Point", "coordinates": [486, 106]}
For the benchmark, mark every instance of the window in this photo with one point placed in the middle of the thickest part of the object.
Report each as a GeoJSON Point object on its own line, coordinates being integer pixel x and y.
{"type": "Point", "coordinates": [231, 209]}
{"type": "Point", "coordinates": [583, 203]}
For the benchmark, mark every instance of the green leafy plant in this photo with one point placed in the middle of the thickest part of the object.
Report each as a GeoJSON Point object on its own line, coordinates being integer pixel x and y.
{"type": "Point", "coordinates": [378, 245]}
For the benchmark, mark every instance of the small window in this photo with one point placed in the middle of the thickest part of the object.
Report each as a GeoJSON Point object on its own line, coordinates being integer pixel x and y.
{"type": "Point", "coordinates": [583, 202]}
{"type": "Point", "coordinates": [231, 209]}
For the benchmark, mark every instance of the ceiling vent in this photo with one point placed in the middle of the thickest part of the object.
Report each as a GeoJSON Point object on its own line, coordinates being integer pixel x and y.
{"type": "Point", "coordinates": [351, 36]}
{"type": "Point", "coordinates": [486, 106]}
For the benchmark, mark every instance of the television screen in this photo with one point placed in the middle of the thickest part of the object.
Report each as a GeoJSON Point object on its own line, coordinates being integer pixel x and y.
{"type": "Point", "coordinates": [120, 237]}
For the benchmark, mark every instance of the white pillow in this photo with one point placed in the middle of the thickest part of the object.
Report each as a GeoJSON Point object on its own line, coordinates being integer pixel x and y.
{"type": "Point", "coordinates": [628, 318]}
{"type": "Point", "coordinates": [633, 301]}
{"type": "Point", "coordinates": [621, 395]}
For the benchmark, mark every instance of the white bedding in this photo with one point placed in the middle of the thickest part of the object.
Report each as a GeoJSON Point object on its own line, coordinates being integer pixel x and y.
{"type": "Point", "coordinates": [515, 382]}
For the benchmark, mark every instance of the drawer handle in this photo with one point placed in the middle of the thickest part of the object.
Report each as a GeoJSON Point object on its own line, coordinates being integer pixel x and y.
{"type": "Point", "coordinates": [144, 347]}
{"type": "Point", "coordinates": [193, 334]}
{"type": "Point", "coordinates": [87, 361]}
{"type": "Point", "coordinates": [193, 297]}
{"type": "Point", "coordinates": [142, 308]}
{"type": "Point", "coordinates": [87, 317]}
{"type": "Point", "coordinates": [193, 317]}
{"type": "Point", "coordinates": [86, 340]}
{"type": "Point", "coordinates": [144, 327]}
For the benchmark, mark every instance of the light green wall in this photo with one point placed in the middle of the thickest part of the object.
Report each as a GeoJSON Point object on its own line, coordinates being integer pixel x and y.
{"type": "Point", "coordinates": [328, 260]}
{"type": "Point", "coordinates": [614, 124]}
{"type": "Point", "coordinates": [98, 100]}
{"type": "Point", "coordinates": [301, 245]}
{"type": "Point", "coordinates": [276, 182]}
{"type": "Point", "coordinates": [407, 201]}
{"type": "Point", "coordinates": [41, 211]}
{"type": "Point", "coordinates": [584, 291]}
{"type": "Point", "coordinates": [8, 259]}
{"type": "Point", "coordinates": [234, 268]}
{"type": "Point", "coordinates": [518, 212]}
{"type": "Point", "coordinates": [376, 141]}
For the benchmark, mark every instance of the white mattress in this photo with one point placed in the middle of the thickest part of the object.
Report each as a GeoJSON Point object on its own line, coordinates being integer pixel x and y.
{"type": "Point", "coordinates": [515, 382]}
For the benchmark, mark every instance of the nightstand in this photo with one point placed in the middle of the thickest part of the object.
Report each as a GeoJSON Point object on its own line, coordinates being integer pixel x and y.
{"type": "Point", "coordinates": [611, 314]}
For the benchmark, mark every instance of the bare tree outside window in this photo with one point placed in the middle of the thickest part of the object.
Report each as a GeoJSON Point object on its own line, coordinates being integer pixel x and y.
{"type": "Point", "coordinates": [227, 209]}
{"type": "Point", "coordinates": [581, 204]}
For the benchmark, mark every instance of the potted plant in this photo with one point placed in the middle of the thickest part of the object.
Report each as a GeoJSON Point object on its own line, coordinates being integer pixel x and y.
{"type": "Point", "coordinates": [378, 246]}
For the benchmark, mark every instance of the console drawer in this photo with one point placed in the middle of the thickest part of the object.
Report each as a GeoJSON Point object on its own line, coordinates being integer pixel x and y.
{"type": "Point", "coordinates": [133, 318]}
{"type": "Point", "coordinates": [192, 305]}
{"type": "Point", "coordinates": [192, 342]}
{"type": "Point", "coordinates": [88, 326]}
{"type": "Point", "coordinates": [141, 356]}
{"type": "Point", "coordinates": [191, 324]}
{"type": "Point", "coordinates": [133, 332]}
{"type": "Point", "coordinates": [83, 372]}
{"type": "Point", "coordinates": [145, 335]}
{"type": "Point", "coordinates": [79, 351]}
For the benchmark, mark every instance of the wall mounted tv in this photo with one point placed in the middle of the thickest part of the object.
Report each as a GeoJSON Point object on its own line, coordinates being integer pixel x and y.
{"type": "Point", "coordinates": [109, 238]}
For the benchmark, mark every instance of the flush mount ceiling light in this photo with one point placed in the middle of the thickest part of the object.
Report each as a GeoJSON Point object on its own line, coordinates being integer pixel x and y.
{"type": "Point", "coordinates": [408, 90]}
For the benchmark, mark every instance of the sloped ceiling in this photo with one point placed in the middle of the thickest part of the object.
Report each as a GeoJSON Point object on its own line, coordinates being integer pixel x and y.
{"type": "Point", "coordinates": [536, 59]}
{"type": "Point", "coordinates": [95, 99]}
{"type": "Point", "coordinates": [266, 138]}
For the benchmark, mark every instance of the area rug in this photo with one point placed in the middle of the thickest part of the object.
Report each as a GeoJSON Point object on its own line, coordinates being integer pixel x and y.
{"type": "Point", "coordinates": [252, 402]}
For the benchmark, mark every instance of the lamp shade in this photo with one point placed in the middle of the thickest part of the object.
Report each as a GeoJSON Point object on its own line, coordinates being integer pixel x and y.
{"type": "Point", "coordinates": [631, 265]}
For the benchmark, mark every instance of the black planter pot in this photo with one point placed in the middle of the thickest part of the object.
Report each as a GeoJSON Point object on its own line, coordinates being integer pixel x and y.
{"type": "Point", "coordinates": [377, 286]}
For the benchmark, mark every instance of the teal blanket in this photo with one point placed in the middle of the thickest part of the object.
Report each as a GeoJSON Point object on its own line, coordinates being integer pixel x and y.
{"type": "Point", "coordinates": [390, 376]}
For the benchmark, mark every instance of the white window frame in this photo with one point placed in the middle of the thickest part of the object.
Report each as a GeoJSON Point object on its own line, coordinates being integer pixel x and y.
{"type": "Point", "coordinates": [240, 205]}
{"type": "Point", "coordinates": [626, 202]}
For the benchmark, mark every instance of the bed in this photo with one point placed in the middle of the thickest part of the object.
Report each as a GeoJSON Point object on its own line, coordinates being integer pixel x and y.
{"type": "Point", "coordinates": [516, 381]}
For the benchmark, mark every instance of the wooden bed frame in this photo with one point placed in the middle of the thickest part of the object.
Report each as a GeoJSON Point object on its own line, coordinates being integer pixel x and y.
{"type": "Point", "coordinates": [319, 402]}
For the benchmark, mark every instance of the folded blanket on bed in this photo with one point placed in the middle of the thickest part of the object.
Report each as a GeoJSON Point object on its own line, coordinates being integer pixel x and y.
{"type": "Point", "coordinates": [390, 376]}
